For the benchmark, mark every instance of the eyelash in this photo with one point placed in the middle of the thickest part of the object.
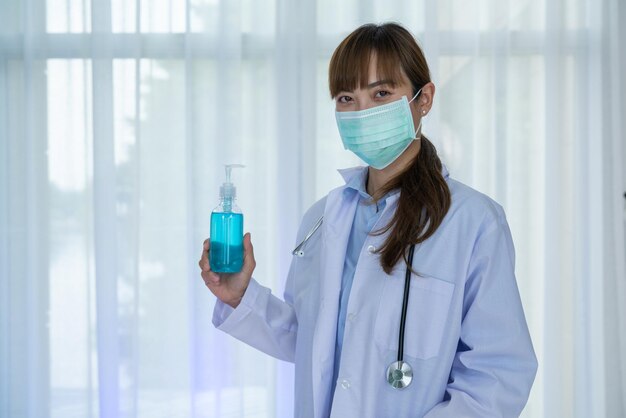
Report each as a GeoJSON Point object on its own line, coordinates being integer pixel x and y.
{"type": "Point", "coordinates": [383, 91]}
{"type": "Point", "coordinates": [346, 99]}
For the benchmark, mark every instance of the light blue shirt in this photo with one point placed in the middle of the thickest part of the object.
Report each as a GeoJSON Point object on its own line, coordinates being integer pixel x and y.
{"type": "Point", "coordinates": [365, 217]}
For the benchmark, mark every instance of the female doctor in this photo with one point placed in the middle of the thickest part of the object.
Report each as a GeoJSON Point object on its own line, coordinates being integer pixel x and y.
{"type": "Point", "coordinates": [401, 298]}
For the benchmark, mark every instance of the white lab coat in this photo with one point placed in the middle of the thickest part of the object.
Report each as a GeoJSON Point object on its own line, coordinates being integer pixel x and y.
{"type": "Point", "coordinates": [466, 335]}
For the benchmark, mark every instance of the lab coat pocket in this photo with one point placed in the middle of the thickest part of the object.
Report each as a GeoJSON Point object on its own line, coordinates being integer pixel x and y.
{"type": "Point", "coordinates": [427, 313]}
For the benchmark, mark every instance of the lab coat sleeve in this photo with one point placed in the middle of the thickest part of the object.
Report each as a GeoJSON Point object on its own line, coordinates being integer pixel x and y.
{"type": "Point", "coordinates": [495, 364]}
{"type": "Point", "coordinates": [261, 320]}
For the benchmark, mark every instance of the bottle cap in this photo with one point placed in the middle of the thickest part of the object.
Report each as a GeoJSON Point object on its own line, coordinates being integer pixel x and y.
{"type": "Point", "coordinates": [228, 189]}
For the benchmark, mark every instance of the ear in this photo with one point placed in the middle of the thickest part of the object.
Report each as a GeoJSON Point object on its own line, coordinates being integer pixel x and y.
{"type": "Point", "coordinates": [425, 99]}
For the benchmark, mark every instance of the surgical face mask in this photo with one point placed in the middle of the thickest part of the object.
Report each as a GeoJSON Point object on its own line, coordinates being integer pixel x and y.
{"type": "Point", "coordinates": [380, 134]}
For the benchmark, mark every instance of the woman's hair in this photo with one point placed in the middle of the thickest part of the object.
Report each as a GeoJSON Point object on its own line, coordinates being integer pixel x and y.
{"type": "Point", "coordinates": [425, 197]}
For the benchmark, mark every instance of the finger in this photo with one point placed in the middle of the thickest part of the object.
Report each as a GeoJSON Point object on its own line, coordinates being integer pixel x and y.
{"type": "Point", "coordinates": [210, 277]}
{"type": "Point", "coordinates": [205, 247]}
{"type": "Point", "coordinates": [204, 262]}
{"type": "Point", "coordinates": [204, 258]}
{"type": "Point", "coordinates": [249, 262]}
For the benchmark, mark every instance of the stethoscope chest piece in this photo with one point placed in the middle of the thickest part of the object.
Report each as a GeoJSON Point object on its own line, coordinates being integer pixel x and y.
{"type": "Point", "coordinates": [399, 374]}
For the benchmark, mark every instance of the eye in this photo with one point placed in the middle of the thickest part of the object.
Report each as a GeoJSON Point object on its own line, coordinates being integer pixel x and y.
{"type": "Point", "coordinates": [382, 93]}
{"type": "Point", "coordinates": [344, 99]}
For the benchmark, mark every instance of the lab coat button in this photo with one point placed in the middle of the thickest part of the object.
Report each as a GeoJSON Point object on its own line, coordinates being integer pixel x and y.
{"type": "Point", "coordinates": [345, 383]}
{"type": "Point", "coordinates": [371, 249]}
{"type": "Point", "coordinates": [351, 317]}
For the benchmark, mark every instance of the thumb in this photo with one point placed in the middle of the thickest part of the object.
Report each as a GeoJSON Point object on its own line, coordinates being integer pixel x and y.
{"type": "Point", "coordinates": [249, 263]}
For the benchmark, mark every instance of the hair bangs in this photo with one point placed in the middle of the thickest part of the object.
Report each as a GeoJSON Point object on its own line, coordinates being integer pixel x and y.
{"type": "Point", "coordinates": [349, 65]}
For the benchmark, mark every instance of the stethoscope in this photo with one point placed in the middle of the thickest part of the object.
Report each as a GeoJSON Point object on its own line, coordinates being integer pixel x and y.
{"type": "Point", "coordinates": [399, 373]}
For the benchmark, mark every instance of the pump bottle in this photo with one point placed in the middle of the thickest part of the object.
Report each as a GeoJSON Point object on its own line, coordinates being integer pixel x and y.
{"type": "Point", "coordinates": [226, 253]}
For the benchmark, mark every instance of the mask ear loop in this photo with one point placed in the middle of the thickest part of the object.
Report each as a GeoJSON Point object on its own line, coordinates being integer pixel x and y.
{"type": "Point", "coordinates": [419, 127]}
{"type": "Point", "coordinates": [416, 94]}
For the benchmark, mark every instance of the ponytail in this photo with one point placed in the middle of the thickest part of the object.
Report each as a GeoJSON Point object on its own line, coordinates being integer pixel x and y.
{"type": "Point", "coordinates": [423, 203]}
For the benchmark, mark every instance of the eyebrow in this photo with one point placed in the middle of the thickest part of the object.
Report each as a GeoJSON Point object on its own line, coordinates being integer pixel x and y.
{"type": "Point", "coordinates": [378, 83]}
{"type": "Point", "coordinates": [374, 84]}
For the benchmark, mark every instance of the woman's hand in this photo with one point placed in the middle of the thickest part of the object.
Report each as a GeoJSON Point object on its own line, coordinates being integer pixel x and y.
{"type": "Point", "coordinates": [228, 287]}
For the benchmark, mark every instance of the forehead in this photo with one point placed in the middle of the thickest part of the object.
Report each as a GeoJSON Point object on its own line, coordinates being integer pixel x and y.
{"type": "Point", "coordinates": [359, 68]}
{"type": "Point", "coordinates": [376, 72]}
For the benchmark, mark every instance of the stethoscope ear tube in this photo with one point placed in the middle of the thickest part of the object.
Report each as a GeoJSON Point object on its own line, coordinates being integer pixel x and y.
{"type": "Point", "coordinates": [298, 250]}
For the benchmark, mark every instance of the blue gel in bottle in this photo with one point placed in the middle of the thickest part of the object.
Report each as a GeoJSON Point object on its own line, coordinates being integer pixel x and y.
{"type": "Point", "coordinates": [226, 242]}
{"type": "Point", "coordinates": [226, 253]}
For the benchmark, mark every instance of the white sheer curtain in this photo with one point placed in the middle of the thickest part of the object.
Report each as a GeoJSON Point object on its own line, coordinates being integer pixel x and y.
{"type": "Point", "coordinates": [117, 116]}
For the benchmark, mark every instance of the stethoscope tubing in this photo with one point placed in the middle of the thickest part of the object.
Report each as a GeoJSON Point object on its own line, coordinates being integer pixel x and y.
{"type": "Point", "coordinates": [405, 302]}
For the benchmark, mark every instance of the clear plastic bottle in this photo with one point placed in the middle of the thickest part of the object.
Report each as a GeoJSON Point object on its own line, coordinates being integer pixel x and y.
{"type": "Point", "coordinates": [226, 254]}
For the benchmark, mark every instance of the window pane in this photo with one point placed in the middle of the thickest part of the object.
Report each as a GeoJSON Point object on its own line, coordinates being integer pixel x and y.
{"type": "Point", "coordinates": [68, 118]}
{"type": "Point", "coordinates": [72, 342]}
{"type": "Point", "coordinates": [204, 15]}
{"type": "Point", "coordinates": [127, 217]}
{"type": "Point", "coordinates": [490, 14]}
{"type": "Point", "coordinates": [527, 15]}
{"type": "Point", "coordinates": [158, 164]}
{"type": "Point", "coordinates": [573, 14]}
{"type": "Point", "coordinates": [258, 17]}
{"type": "Point", "coordinates": [163, 15]}
{"type": "Point", "coordinates": [68, 16]}
{"type": "Point", "coordinates": [124, 15]}
{"type": "Point", "coordinates": [337, 16]}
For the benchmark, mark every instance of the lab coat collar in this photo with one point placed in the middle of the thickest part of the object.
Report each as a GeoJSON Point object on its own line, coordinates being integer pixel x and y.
{"type": "Point", "coordinates": [360, 171]}
{"type": "Point", "coordinates": [353, 174]}
{"type": "Point", "coordinates": [355, 179]}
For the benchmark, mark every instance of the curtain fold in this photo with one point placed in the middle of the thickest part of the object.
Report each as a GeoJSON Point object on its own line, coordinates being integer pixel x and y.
{"type": "Point", "coordinates": [105, 238]}
{"type": "Point", "coordinates": [614, 214]}
{"type": "Point", "coordinates": [116, 119]}
{"type": "Point", "coordinates": [4, 240]}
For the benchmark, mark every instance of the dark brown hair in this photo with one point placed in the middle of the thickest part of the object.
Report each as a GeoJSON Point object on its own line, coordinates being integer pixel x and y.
{"type": "Point", "coordinates": [425, 197]}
